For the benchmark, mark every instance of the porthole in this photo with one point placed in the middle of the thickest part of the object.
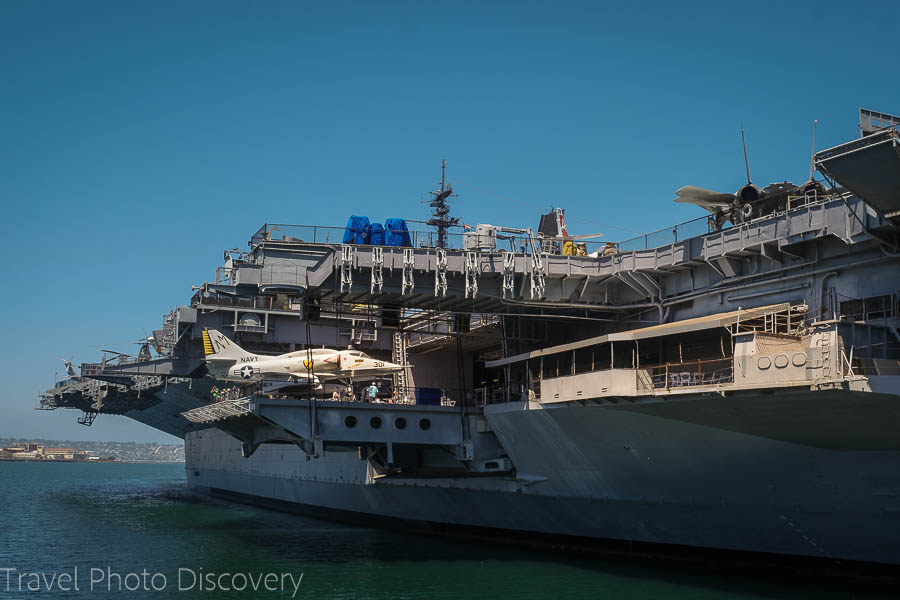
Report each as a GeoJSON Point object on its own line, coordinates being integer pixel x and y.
{"type": "Point", "coordinates": [375, 422]}
{"type": "Point", "coordinates": [400, 423]}
{"type": "Point", "coordinates": [350, 421]}
{"type": "Point", "coordinates": [781, 361]}
{"type": "Point", "coordinates": [424, 424]}
{"type": "Point", "coordinates": [799, 359]}
{"type": "Point", "coordinates": [764, 362]}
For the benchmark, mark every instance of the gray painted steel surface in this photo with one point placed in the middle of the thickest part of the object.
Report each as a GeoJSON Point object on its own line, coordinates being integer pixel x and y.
{"type": "Point", "coordinates": [625, 473]}
{"type": "Point", "coordinates": [800, 461]}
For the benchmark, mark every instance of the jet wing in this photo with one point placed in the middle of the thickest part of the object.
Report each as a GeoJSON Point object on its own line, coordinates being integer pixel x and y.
{"type": "Point", "coordinates": [305, 376]}
{"type": "Point", "coordinates": [370, 372]}
{"type": "Point", "coordinates": [256, 374]}
{"type": "Point", "coordinates": [708, 199]}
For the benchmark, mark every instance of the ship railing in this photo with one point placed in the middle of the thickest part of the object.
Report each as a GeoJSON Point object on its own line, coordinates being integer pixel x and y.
{"type": "Point", "coordinates": [254, 302]}
{"type": "Point", "coordinates": [668, 235]}
{"type": "Point", "coordinates": [55, 397]}
{"type": "Point", "coordinates": [88, 369]}
{"type": "Point", "coordinates": [166, 344]}
{"type": "Point", "coordinates": [397, 395]}
{"type": "Point", "coordinates": [219, 410]}
{"type": "Point", "coordinates": [889, 364]}
{"type": "Point", "coordinates": [145, 382]}
{"type": "Point", "coordinates": [423, 396]}
{"type": "Point", "coordinates": [229, 400]}
{"type": "Point", "coordinates": [705, 225]}
{"type": "Point", "coordinates": [701, 372]}
{"type": "Point", "coordinates": [224, 275]}
{"type": "Point", "coordinates": [491, 395]}
{"type": "Point", "coordinates": [361, 331]}
{"type": "Point", "coordinates": [319, 234]}
{"type": "Point", "coordinates": [700, 226]}
{"type": "Point", "coordinates": [441, 322]}
{"type": "Point", "coordinates": [440, 327]}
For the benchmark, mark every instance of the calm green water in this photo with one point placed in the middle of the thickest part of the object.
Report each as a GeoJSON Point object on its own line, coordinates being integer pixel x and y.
{"type": "Point", "coordinates": [124, 518]}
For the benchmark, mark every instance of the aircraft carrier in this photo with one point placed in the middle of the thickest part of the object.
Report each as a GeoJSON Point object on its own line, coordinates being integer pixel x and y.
{"type": "Point", "coordinates": [727, 384]}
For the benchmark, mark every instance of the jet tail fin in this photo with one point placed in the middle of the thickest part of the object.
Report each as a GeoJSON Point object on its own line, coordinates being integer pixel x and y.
{"type": "Point", "coordinates": [217, 347]}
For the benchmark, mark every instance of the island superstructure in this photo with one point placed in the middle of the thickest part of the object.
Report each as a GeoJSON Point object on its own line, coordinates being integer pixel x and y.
{"type": "Point", "coordinates": [730, 383]}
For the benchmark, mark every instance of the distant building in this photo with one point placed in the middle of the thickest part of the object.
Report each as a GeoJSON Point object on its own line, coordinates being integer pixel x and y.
{"type": "Point", "coordinates": [11, 449]}
{"type": "Point", "coordinates": [60, 453]}
{"type": "Point", "coordinates": [24, 451]}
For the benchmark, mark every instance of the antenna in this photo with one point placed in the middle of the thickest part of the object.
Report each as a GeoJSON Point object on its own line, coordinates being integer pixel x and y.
{"type": "Point", "coordinates": [812, 160]}
{"type": "Point", "coordinates": [746, 161]}
{"type": "Point", "coordinates": [441, 214]}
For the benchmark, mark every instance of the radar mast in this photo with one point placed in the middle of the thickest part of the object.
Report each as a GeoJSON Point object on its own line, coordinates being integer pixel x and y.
{"type": "Point", "coordinates": [440, 214]}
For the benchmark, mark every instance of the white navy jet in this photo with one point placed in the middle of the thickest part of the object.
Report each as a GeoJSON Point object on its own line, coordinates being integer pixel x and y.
{"type": "Point", "coordinates": [228, 361]}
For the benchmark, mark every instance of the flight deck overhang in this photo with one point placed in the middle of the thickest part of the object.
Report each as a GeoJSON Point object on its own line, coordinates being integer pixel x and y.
{"type": "Point", "coordinates": [169, 367]}
{"type": "Point", "coordinates": [869, 167]}
{"type": "Point", "coordinates": [260, 420]}
{"type": "Point", "coordinates": [510, 282]}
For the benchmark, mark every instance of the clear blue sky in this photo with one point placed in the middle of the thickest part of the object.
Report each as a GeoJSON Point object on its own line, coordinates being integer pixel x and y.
{"type": "Point", "coordinates": [140, 139]}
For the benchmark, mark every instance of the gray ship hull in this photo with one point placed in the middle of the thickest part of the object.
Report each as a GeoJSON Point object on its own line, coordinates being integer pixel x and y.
{"type": "Point", "coordinates": [756, 473]}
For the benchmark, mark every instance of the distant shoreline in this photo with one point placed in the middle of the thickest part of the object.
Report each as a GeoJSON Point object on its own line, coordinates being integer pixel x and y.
{"type": "Point", "coordinates": [99, 460]}
{"type": "Point", "coordinates": [41, 449]}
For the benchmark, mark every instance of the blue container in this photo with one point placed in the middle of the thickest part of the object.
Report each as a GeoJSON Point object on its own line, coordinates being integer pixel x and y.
{"type": "Point", "coordinates": [429, 396]}
{"type": "Point", "coordinates": [376, 234]}
{"type": "Point", "coordinates": [397, 233]}
{"type": "Point", "coordinates": [357, 231]}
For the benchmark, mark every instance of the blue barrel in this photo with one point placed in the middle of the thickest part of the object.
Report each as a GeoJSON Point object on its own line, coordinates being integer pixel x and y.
{"type": "Point", "coordinates": [376, 234]}
{"type": "Point", "coordinates": [357, 231]}
{"type": "Point", "coordinates": [397, 233]}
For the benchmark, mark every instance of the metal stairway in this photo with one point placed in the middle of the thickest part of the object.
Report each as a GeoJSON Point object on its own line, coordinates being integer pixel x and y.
{"type": "Point", "coordinates": [400, 356]}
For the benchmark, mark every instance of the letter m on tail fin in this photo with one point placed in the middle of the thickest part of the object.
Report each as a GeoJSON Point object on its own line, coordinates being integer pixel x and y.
{"type": "Point", "coordinates": [217, 346]}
